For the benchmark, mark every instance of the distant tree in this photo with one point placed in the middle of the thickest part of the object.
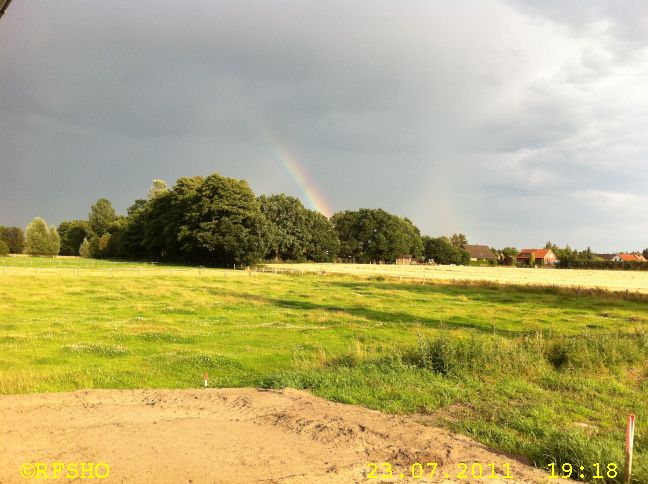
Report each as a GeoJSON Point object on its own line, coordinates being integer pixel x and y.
{"type": "Point", "coordinates": [458, 240]}
{"type": "Point", "coordinates": [40, 240]}
{"type": "Point", "coordinates": [442, 251]}
{"type": "Point", "coordinates": [322, 243]}
{"type": "Point", "coordinates": [510, 251]}
{"type": "Point", "coordinates": [14, 238]}
{"type": "Point", "coordinates": [102, 214]}
{"type": "Point", "coordinates": [295, 232]}
{"type": "Point", "coordinates": [212, 221]}
{"type": "Point", "coordinates": [158, 187]}
{"type": "Point", "coordinates": [54, 241]}
{"type": "Point", "coordinates": [532, 259]}
{"type": "Point", "coordinates": [4, 248]}
{"type": "Point", "coordinates": [551, 246]}
{"type": "Point", "coordinates": [373, 235]}
{"type": "Point", "coordinates": [132, 240]}
{"type": "Point", "coordinates": [72, 234]}
{"type": "Point", "coordinates": [103, 245]}
{"type": "Point", "coordinates": [288, 230]}
{"type": "Point", "coordinates": [85, 250]}
{"type": "Point", "coordinates": [645, 253]}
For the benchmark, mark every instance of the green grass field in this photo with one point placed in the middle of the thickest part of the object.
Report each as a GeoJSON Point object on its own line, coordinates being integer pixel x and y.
{"type": "Point", "coordinates": [545, 373]}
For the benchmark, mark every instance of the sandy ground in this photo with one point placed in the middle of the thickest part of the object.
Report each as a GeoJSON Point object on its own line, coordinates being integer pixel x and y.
{"type": "Point", "coordinates": [227, 435]}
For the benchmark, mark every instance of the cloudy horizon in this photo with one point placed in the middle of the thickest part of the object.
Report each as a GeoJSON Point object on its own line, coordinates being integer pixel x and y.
{"type": "Point", "coordinates": [511, 121]}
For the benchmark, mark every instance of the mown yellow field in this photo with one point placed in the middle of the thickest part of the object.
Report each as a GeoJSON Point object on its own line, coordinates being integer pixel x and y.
{"type": "Point", "coordinates": [633, 281]}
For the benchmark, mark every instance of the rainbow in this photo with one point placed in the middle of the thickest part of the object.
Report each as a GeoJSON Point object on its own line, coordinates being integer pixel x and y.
{"type": "Point", "coordinates": [287, 160]}
{"type": "Point", "coordinates": [296, 171]}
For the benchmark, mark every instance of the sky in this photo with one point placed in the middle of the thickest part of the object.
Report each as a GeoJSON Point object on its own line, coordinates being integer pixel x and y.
{"type": "Point", "coordinates": [512, 121]}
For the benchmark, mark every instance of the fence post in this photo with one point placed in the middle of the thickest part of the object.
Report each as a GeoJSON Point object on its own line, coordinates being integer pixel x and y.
{"type": "Point", "coordinates": [629, 448]}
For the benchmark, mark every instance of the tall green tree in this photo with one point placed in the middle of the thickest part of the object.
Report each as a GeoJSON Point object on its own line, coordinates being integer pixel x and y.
{"type": "Point", "coordinates": [225, 224]}
{"type": "Point", "coordinates": [55, 241]}
{"type": "Point", "coordinates": [213, 221]}
{"type": "Point", "coordinates": [322, 243]}
{"type": "Point", "coordinates": [86, 249]}
{"type": "Point", "coordinates": [373, 235]}
{"type": "Point", "coordinates": [458, 240]}
{"type": "Point", "coordinates": [72, 234]}
{"type": "Point", "coordinates": [4, 248]}
{"type": "Point", "coordinates": [442, 251]}
{"type": "Point", "coordinates": [40, 239]}
{"type": "Point", "coordinates": [101, 215]}
{"type": "Point", "coordinates": [14, 238]}
{"type": "Point", "coordinates": [158, 187]}
{"type": "Point", "coordinates": [295, 232]}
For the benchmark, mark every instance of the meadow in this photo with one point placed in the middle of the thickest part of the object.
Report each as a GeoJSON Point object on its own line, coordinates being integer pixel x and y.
{"type": "Point", "coordinates": [544, 372]}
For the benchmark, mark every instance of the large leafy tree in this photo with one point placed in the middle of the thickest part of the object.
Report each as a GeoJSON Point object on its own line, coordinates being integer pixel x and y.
{"type": "Point", "coordinates": [295, 232]}
{"type": "Point", "coordinates": [373, 235]}
{"type": "Point", "coordinates": [212, 221]}
{"type": "Point", "coordinates": [442, 251]}
{"type": "Point", "coordinates": [41, 239]}
{"type": "Point", "coordinates": [458, 240]}
{"type": "Point", "coordinates": [322, 243]}
{"type": "Point", "coordinates": [72, 234]}
{"type": "Point", "coordinates": [14, 238]}
{"type": "Point", "coordinates": [162, 218]}
{"type": "Point", "coordinates": [287, 226]}
{"type": "Point", "coordinates": [222, 223]}
{"type": "Point", "coordinates": [102, 214]}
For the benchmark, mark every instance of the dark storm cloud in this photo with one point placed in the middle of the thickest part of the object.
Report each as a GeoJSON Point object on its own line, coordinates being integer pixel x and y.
{"type": "Point", "coordinates": [460, 115]}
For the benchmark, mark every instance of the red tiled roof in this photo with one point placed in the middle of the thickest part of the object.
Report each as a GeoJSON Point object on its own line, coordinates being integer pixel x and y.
{"type": "Point", "coordinates": [539, 253]}
{"type": "Point", "coordinates": [632, 258]}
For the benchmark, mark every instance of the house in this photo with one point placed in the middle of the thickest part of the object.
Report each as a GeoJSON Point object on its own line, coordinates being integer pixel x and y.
{"type": "Point", "coordinates": [542, 257]}
{"type": "Point", "coordinates": [479, 252]}
{"type": "Point", "coordinates": [629, 258]}
{"type": "Point", "coordinates": [403, 260]}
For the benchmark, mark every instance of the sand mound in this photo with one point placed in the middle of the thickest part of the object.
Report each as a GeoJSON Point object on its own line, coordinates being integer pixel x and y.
{"type": "Point", "coordinates": [228, 435]}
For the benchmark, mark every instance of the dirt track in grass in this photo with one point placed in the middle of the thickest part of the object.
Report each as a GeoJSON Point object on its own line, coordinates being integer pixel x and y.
{"type": "Point", "coordinates": [229, 435]}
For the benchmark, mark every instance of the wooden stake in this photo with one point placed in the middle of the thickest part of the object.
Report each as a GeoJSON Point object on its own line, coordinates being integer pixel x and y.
{"type": "Point", "coordinates": [629, 448]}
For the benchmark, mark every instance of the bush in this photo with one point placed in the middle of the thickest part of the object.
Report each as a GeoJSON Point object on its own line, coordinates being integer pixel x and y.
{"type": "Point", "coordinates": [4, 248]}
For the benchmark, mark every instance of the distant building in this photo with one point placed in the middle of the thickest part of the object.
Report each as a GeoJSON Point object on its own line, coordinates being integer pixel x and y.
{"type": "Point", "coordinates": [542, 257]}
{"type": "Point", "coordinates": [629, 258]}
{"type": "Point", "coordinates": [404, 260]}
{"type": "Point", "coordinates": [479, 252]}
{"type": "Point", "coordinates": [607, 257]}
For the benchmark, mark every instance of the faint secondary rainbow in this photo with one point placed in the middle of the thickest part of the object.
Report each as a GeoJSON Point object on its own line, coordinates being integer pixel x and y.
{"type": "Point", "coordinates": [291, 165]}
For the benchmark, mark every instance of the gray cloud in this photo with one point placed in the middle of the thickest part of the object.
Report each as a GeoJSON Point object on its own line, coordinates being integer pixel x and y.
{"type": "Point", "coordinates": [513, 121]}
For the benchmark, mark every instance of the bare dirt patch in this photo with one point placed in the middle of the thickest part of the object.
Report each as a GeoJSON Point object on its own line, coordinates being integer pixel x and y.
{"type": "Point", "coordinates": [229, 435]}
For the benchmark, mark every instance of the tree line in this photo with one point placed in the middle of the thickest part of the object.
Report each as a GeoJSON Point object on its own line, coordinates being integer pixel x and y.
{"type": "Point", "coordinates": [219, 221]}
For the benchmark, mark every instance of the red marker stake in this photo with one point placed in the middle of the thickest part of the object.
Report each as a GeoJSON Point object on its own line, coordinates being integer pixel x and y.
{"type": "Point", "coordinates": [206, 379]}
{"type": "Point", "coordinates": [629, 447]}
